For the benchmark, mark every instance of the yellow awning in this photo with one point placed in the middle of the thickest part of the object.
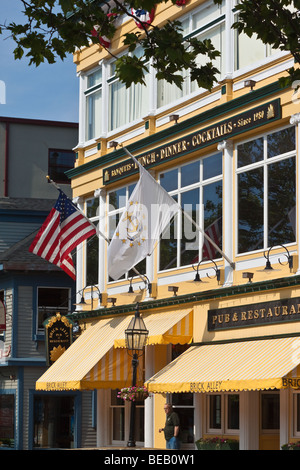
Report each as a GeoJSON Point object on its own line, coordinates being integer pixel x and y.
{"type": "Point", "coordinates": [237, 366]}
{"type": "Point", "coordinates": [174, 326]}
{"type": "Point", "coordinates": [91, 361]}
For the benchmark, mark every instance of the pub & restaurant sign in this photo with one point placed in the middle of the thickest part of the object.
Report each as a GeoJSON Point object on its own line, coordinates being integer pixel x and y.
{"type": "Point", "coordinates": [220, 131]}
{"type": "Point", "coordinates": [278, 311]}
{"type": "Point", "coordinates": [58, 331]}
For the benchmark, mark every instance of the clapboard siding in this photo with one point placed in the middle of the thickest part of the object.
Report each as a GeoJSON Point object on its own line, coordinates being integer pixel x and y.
{"type": "Point", "coordinates": [13, 232]}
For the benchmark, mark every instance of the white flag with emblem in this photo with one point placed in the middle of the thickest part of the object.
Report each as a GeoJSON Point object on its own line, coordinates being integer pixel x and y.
{"type": "Point", "coordinates": [148, 212]}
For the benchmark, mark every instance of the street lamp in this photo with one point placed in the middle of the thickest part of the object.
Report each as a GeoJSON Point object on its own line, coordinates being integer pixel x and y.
{"type": "Point", "coordinates": [135, 340]}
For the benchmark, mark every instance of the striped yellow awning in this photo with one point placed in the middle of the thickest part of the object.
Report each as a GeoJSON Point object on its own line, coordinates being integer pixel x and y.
{"type": "Point", "coordinates": [175, 326]}
{"type": "Point", "coordinates": [236, 366]}
{"type": "Point", "coordinates": [97, 359]}
{"type": "Point", "coordinates": [91, 361]}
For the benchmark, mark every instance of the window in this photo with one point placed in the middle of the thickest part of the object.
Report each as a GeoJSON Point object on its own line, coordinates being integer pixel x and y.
{"type": "Point", "coordinates": [50, 301]}
{"type": "Point", "coordinates": [93, 96]}
{"type": "Point", "coordinates": [92, 244]}
{"type": "Point", "coordinates": [296, 414]}
{"type": "Point", "coordinates": [223, 413]}
{"type": "Point", "coordinates": [126, 104]}
{"type": "Point", "coordinates": [249, 50]}
{"type": "Point", "coordinates": [60, 161]}
{"type": "Point", "coordinates": [54, 419]}
{"type": "Point", "coordinates": [197, 187]}
{"type": "Point", "coordinates": [7, 420]}
{"type": "Point", "coordinates": [208, 22]}
{"type": "Point", "coordinates": [266, 173]}
{"type": "Point", "coordinates": [270, 415]}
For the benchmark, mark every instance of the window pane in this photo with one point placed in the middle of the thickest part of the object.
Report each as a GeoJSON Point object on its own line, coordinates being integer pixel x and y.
{"type": "Point", "coordinates": [250, 152]}
{"type": "Point", "coordinates": [215, 412]}
{"type": "Point", "coordinates": [117, 199]}
{"type": "Point", "coordinates": [169, 180]}
{"type": "Point", "coordinates": [50, 301]}
{"type": "Point", "coordinates": [190, 174]}
{"type": "Point", "coordinates": [270, 410]}
{"type": "Point", "coordinates": [212, 166]}
{"type": "Point", "coordinates": [7, 420]}
{"type": "Point", "coordinates": [118, 424]}
{"type": "Point", "coordinates": [233, 407]}
{"type": "Point", "coordinates": [250, 224]}
{"type": "Point", "coordinates": [94, 78]}
{"type": "Point", "coordinates": [168, 247]}
{"type": "Point", "coordinates": [212, 200]}
{"type": "Point", "coordinates": [92, 248]}
{"type": "Point", "coordinates": [60, 161]}
{"type": "Point", "coordinates": [281, 142]}
{"type": "Point", "coordinates": [281, 202]}
{"type": "Point", "coordinates": [53, 422]}
{"type": "Point", "coordinates": [93, 115]}
{"type": "Point", "coordinates": [92, 206]}
{"type": "Point", "coordinates": [189, 237]}
{"type": "Point", "coordinates": [248, 50]}
{"type": "Point", "coordinates": [298, 412]}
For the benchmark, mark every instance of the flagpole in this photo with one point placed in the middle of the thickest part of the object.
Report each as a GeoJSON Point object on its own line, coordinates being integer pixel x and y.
{"type": "Point", "coordinates": [232, 264]}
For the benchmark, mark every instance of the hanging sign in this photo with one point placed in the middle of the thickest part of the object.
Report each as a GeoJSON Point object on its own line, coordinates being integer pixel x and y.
{"type": "Point", "coordinates": [58, 330]}
{"type": "Point", "coordinates": [212, 134]}
{"type": "Point", "coordinates": [2, 316]}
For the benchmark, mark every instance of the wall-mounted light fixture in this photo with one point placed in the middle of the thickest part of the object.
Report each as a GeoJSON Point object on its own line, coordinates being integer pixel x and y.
{"type": "Point", "coordinates": [130, 290]}
{"type": "Point", "coordinates": [197, 275]}
{"type": "Point", "coordinates": [248, 276]}
{"type": "Point", "coordinates": [250, 84]}
{"type": "Point", "coordinates": [174, 117]}
{"type": "Point", "coordinates": [82, 302]}
{"type": "Point", "coordinates": [173, 289]}
{"type": "Point", "coordinates": [112, 300]}
{"type": "Point", "coordinates": [217, 271]}
{"type": "Point", "coordinates": [113, 144]}
{"type": "Point", "coordinates": [287, 255]}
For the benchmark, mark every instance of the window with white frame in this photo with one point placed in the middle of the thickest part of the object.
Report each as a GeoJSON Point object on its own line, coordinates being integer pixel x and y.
{"type": "Point", "coordinates": [117, 201]}
{"type": "Point", "coordinates": [223, 413]}
{"type": "Point", "coordinates": [93, 103]}
{"type": "Point", "coordinates": [92, 243]}
{"type": "Point", "coordinates": [266, 178]}
{"type": "Point", "coordinates": [126, 104]}
{"type": "Point", "coordinates": [109, 105]}
{"type": "Point", "coordinates": [197, 187]}
{"type": "Point", "coordinates": [51, 300]}
{"type": "Point", "coordinates": [207, 22]}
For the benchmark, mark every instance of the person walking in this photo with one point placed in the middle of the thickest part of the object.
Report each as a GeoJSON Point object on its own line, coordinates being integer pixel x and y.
{"type": "Point", "coordinates": [171, 429]}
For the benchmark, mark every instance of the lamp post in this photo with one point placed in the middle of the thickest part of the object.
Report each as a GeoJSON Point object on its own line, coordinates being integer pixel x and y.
{"type": "Point", "coordinates": [135, 340]}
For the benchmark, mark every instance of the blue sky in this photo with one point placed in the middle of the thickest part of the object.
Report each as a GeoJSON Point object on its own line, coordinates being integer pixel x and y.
{"type": "Point", "coordinates": [48, 92]}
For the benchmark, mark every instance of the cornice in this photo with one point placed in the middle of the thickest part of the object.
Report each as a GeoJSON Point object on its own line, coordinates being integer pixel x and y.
{"type": "Point", "coordinates": [192, 298]}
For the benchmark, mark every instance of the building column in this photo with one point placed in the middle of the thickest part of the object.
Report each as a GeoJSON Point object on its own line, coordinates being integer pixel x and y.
{"type": "Point", "coordinates": [295, 120]}
{"type": "Point", "coordinates": [227, 147]}
{"type": "Point", "coordinates": [103, 422]}
{"type": "Point", "coordinates": [284, 417]}
{"type": "Point", "coordinates": [249, 420]}
{"type": "Point", "coordinates": [149, 402]}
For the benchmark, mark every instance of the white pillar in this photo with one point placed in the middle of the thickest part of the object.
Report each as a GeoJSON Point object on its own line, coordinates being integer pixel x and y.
{"type": "Point", "coordinates": [295, 120]}
{"type": "Point", "coordinates": [227, 147]}
{"type": "Point", "coordinates": [284, 416]}
{"type": "Point", "coordinates": [249, 420]}
{"type": "Point", "coordinates": [149, 402]}
{"type": "Point", "coordinates": [103, 422]}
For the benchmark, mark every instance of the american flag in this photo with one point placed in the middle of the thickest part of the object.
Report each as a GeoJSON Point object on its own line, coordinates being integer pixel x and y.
{"type": "Point", "coordinates": [64, 229]}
